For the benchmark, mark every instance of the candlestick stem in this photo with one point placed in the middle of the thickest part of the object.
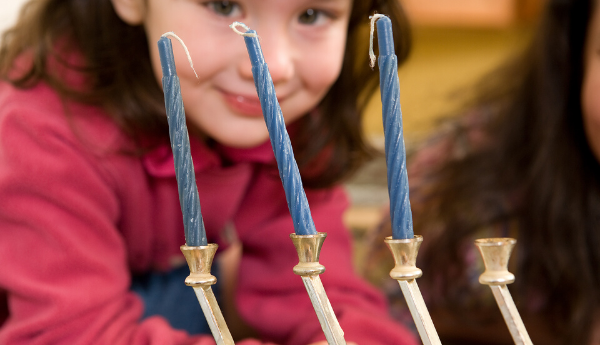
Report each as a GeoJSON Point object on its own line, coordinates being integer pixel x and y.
{"type": "Point", "coordinates": [405, 272]}
{"type": "Point", "coordinates": [199, 260]}
{"type": "Point", "coordinates": [495, 253]}
{"type": "Point", "coordinates": [309, 268]}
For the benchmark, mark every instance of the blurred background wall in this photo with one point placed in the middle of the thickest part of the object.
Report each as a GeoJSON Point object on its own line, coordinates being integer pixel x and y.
{"type": "Point", "coordinates": [455, 43]}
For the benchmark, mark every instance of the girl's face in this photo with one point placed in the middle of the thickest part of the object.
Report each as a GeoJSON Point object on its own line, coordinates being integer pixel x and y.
{"type": "Point", "coordinates": [590, 94]}
{"type": "Point", "coordinates": [303, 43]}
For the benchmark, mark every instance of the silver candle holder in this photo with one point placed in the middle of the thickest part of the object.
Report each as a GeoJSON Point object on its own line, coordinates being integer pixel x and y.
{"type": "Point", "coordinates": [309, 268]}
{"type": "Point", "coordinates": [308, 247]}
{"type": "Point", "coordinates": [200, 260]}
{"type": "Point", "coordinates": [406, 273]}
{"type": "Point", "coordinates": [495, 252]}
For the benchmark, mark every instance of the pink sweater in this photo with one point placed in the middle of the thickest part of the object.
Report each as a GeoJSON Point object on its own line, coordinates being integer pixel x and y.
{"type": "Point", "coordinates": [77, 217]}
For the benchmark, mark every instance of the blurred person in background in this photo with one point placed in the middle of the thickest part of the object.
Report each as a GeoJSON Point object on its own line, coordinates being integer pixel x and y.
{"type": "Point", "coordinates": [522, 161]}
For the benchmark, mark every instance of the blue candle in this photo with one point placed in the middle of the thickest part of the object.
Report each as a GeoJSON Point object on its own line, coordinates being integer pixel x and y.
{"type": "Point", "coordinates": [395, 155]}
{"type": "Point", "coordinates": [195, 235]}
{"type": "Point", "coordinates": [280, 140]}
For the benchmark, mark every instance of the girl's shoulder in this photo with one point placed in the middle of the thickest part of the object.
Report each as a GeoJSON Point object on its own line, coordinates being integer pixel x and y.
{"type": "Point", "coordinates": [40, 112]}
{"type": "Point", "coordinates": [44, 139]}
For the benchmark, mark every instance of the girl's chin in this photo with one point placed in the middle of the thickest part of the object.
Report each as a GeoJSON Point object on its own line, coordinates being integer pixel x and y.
{"type": "Point", "coordinates": [242, 141]}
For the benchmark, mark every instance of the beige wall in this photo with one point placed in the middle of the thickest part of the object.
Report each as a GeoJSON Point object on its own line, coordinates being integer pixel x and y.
{"type": "Point", "coordinates": [8, 12]}
{"type": "Point", "coordinates": [443, 62]}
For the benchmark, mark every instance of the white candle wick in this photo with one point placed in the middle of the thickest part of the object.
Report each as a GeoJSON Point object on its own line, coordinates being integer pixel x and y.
{"type": "Point", "coordinates": [172, 34]}
{"type": "Point", "coordinates": [372, 57]}
{"type": "Point", "coordinates": [234, 26]}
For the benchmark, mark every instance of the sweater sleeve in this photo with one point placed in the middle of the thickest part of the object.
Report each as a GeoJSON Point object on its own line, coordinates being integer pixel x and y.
{"type": "Point", "coordinates": [274, 300]}
{"type": "Point", "coordinates": [64, 263]}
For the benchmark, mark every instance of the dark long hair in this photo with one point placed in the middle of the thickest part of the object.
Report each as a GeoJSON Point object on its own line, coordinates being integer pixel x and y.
{"type": "Point", "coordinates": [328, 146]}
{"type": "Point", "coordinates": [537, 171]}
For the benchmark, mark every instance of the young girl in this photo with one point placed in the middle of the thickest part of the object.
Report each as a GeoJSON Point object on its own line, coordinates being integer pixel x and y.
{"type": "Point", "coordinates": [89, 211]}
{"type": "Point", "coordinates": [524, 164]}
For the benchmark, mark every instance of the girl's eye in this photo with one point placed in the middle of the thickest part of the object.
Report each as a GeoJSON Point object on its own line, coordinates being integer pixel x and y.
{"type": "Point", "coordinates": [311, 16]}
{"type": "Point", "coordinates": [225, 8]}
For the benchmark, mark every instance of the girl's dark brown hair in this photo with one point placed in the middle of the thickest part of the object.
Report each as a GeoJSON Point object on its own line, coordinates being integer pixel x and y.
{"type": "Point", "coordinates": [536, 171]}
{"type": "Point", "coordinates": [329, 144]}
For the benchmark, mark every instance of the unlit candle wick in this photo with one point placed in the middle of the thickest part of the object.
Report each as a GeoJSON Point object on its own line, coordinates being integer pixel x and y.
{"type": "Point", "coordinates": [234, 26]}
{"type": "Point", "coordinates": [172, 34]}
{"type": "Point", "coordinates": [372, 57]}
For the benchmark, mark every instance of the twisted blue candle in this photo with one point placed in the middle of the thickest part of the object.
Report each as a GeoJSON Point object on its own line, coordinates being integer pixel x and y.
{"type": "Point", "coordinates": [195, 235]}
{"type": "Point", "coordinates": [280, 140]}
{"type": "Point", "coordinates": [395, 155]}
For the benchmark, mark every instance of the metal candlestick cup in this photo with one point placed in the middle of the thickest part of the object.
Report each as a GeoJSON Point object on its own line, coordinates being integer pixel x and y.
{"type": "Point", "coordinates": [200, 260]}
{"type": "Point", "coordinates": [309, 268]}
{"type": "Point", "coordinates": [495, 253]}
{"type": "Point", "coordinates": [405, 272]}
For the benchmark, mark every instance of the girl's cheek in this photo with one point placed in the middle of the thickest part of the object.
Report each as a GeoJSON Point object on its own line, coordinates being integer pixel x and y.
{"type": "Point", "coordinates": [590, 93]}
{"type": "Point", "coordinates": [591, 105]}
{"type": "Point", "coordinates": [325, 68]}
{"type": "Point", "coordinates": [592, 129]}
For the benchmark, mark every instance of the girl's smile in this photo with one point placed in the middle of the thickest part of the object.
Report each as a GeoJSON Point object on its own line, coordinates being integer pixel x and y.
{"type": "Point", "coordinates": [248, 105]}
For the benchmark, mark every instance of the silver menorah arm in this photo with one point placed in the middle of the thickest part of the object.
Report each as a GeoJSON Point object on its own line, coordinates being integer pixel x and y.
{"type": "Point", "coordinates": [405, 272]}
{"type": "Point", "coordinates": [309, 268]}
{"type": "Point", "coordinates": [495, 253]}
{"type": "Point", "coordinates": [199, 260]}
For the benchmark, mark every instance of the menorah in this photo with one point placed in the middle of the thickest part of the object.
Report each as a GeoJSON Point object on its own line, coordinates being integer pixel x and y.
{"type": "Point", "coordinates": [494, 251]}
{"type": "Point", "coordinates": [308, 242]}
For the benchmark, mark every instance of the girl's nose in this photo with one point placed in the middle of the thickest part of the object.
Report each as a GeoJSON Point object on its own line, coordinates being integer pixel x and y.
{"type": "Point", "coordinates": [278, 57]}
{"type": "Point", "coordinates": [244, 66]}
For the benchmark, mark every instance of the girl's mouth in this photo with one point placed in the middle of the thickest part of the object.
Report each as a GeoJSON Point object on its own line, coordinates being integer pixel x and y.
{"type": "Point", "coordinates": [243, 104]}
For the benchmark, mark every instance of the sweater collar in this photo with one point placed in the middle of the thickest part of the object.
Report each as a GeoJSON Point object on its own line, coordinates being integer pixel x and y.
{"type": "Point", "coordinates": [160, 163]}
